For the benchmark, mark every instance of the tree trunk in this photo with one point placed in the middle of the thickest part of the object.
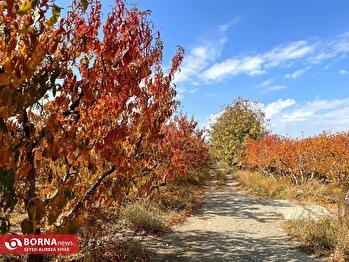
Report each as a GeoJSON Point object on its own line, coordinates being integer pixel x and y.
{"type": "Point", "coordinates": [31, 177]}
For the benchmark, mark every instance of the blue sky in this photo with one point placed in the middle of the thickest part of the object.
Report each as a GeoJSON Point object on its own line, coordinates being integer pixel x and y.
{"type": "Point", "coordinates": [291, 56]}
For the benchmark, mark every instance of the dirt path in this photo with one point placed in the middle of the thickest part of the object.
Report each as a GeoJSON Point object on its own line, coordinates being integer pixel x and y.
{"type": "Point", "coordinates": [232, 226]}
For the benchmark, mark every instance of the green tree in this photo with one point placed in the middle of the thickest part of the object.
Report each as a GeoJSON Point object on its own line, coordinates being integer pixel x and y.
{"type": "Point", "coordinates": [236, 124]}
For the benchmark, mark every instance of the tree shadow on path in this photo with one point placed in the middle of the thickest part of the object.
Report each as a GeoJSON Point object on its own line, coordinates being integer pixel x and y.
{"type": "Point", "coordinates": [230, 226]}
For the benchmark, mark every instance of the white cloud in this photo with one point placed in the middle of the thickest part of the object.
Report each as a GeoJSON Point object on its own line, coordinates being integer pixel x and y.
{"type": "Point", "coordinates": [306, 52]}
{"type": "Point", "coordinates": [268, 87]}
{"type": "Point", "coordinates": [202, 54]}
{"type": "Point", "coordinates": [321, 56]}
{"type": "Point", "coordinates": [284, 53]}
{"type": "Point", "coordinates": [192, 91]}
{"type": "Point", "coordinates": [288, 117]}
{"type": "Point", "coordinates": [201, 65]}
{"type": "Point", "coordinates": [258, 64]}
{"type": "Point", "coordinates": [341, 44]}
{"type": "Point", "coordinates": [274, 88]}
{"type": "Point", "coordinates": [180, 92]}
{"type": "Point", "coordinates": [331, 48]}
{"type": "Point", "coordinates": [291, 118]}
{"type": "Point", "coordinates": [223, 28]}
{"type": "Point", "coordinates": [297, 73]}
{"type": "Point", "coordinates": [266, 82]}
{"type": "Point", "coordinates": [248, 65]}
{"type": "Point", "coordinates": [198, 58]}
{"type": "Point", "coordinates": [277, 106]}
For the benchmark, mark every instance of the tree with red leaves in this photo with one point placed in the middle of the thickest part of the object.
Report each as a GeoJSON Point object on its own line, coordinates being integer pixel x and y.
{"type": "Point", "coordinates": [325, 156]}
{"type": "Point", "coordinates": [92, 138]}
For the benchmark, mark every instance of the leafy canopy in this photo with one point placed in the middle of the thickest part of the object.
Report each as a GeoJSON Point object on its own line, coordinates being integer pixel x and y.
{"type": "Point", "coordinates": [236, 124]}
{"type": "Point", "coordinates": [84, 110]}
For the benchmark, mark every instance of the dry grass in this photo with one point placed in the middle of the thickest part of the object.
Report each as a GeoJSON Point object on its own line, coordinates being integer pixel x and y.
{"type": "Point", "coordinates": [327, 236]}
{"type": "Point", "coordinates": [170, 205]}
{"type": "Point", "coordinates": [138, 216]}
{"type": "Point", "coordinates": [314, 191]}
{"type": "Point", "coordinates": [182, 195]}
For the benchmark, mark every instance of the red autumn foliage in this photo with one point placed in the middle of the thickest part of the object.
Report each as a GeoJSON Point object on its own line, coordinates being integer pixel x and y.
{"type": "Point", "coordinates": [106, 129]}
{"type": "Point", "coordinates": [183, 147]}
{"type": "Point", "coordinates": [325, 156]}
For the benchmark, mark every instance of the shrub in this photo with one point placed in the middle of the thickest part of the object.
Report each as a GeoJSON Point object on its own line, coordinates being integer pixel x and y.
{"type": "Point", "coordinates": [140, 217]}
{"type": "Point", "coordinates": [265, 187]}
{"type": "Point", "coordinates": [317, 191]}
{"type": "Point", "coordinates": [325, 236]}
